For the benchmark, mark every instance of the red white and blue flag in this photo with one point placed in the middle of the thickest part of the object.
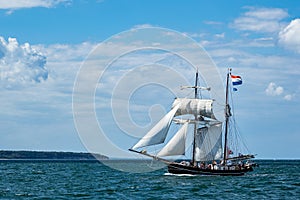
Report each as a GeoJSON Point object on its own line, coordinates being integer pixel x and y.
{"type": "Point", "coordinates": [236, 80]}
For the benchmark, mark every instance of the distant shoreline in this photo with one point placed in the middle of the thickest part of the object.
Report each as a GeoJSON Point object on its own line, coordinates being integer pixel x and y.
{"type": "Point", "coordinates": [27, 155]}
{"type": "Point", "coordinates": [49, 155]}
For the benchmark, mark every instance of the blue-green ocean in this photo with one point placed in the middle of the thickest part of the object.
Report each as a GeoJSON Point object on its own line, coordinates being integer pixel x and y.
{"type": "Point", "coordinates": [273, 179]}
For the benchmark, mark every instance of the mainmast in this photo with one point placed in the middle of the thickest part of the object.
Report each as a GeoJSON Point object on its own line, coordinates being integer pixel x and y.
{"type": "Point", "coordinates": [195, 125]}
{"type": "Point", "coordinates": [227, 115]}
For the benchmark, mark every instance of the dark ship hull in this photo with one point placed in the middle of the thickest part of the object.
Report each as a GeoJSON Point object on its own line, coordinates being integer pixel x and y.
{"type": "Point", "coordinates": [177, 168]}
{"type": "Point", "coordinates": [208, 136]}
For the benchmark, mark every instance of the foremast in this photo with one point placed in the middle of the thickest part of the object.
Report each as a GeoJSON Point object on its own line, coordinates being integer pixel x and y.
{"type": "Point", "coordinates": [198, 108]}
{"type": "Point", "coordinates": [210, 134]}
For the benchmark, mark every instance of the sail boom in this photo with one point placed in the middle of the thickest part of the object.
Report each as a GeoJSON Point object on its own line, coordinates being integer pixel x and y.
{"type": "Point", "coordinates": [199, 87]}
{"type": "Point", "coordinates": [151, 156]}
{"type": "Point", "coordinates": [199, 122]}
{"type": "Point", "coordinates": [205, 146]}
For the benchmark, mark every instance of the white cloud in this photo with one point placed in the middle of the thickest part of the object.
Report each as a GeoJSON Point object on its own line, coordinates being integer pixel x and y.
{"type": "Point", "coordinates": [19, 4]}
{"type": "Point", "coordinates": [274, 90]}
{"type": "Point", "coordinates": [288, 97]}
{"type": "Point", "coordinates": [213, 23]}
{"type": "Point", "coordinates": [20, 64]}
{"type": "Point", "coordinates": [265, 20]}
{"type": "Point", "coordinates": [20, 70]}
{"type": "Point", "coordinates": [195, 35]}
{"type": "Point", "coordinates": [289, 36]}
{"type": "Point", "coordinates": [267, 13]}
{"type": "Point", "coordinates": [221, 35]}
{"type": "Point", "coordinates": [143, 26]}
{"type": "Point", "coordinates": [67, 52]}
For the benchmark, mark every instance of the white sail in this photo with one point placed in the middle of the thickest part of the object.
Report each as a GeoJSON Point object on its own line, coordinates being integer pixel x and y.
{"type": "Point", "coordinates": [176, 146]}
{"type": "Point", "coordinates": [158, 133]}
{"type": "Point", "coordinates": [208, 143]}
{"type": "Point", "coordinates": [197, 107]}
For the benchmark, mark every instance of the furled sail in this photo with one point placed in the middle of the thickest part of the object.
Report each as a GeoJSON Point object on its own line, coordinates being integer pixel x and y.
{"type": "Point", "coordinates": [208, 143]}
{"type": "Point", "coordinates": [158, 133]}
{"type": "Point", "coordinates": [176, 146]}
{"type": "Point", "coordinates": [196, 107]}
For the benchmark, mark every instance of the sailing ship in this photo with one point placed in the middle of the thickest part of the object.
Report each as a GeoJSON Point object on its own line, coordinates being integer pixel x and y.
{"type": "Point", "coordinates": [212, 148]}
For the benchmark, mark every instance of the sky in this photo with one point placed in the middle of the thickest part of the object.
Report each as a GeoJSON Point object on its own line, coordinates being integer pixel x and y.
{"type": "Point", "coordinates": [45, 43]}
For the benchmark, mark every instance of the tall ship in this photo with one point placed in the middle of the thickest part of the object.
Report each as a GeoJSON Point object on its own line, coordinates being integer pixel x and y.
{"type": "Point", "coordinates": [215, 146]}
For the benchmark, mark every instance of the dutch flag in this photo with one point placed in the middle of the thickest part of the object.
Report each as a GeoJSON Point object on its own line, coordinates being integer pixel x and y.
{"type": "Point", "coordinates": [236, 80]}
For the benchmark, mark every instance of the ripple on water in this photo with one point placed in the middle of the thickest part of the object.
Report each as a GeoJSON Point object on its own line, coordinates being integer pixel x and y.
{"type": "Point", "coordinates": [92, 180]}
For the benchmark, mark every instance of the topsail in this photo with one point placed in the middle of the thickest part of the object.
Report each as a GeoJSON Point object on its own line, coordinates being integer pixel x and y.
{"type": "Point", "coordinates": [195, 107]}
{"type": "Point", "coordinates": [209, 139]}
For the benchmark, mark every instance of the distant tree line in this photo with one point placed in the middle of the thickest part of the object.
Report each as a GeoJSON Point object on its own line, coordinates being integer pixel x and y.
{"type": "Point", "coordinates": [51, 155]}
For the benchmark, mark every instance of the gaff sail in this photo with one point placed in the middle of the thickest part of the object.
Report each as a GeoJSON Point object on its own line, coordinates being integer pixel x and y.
{"type": "Point", "coordinates": [208, 157]}
{"type": "Point", "coordinates": [208, 143]}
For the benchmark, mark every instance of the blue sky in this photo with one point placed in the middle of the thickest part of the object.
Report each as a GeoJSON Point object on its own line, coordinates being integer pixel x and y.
{"type": "Point", "coordinates": [44, 42]}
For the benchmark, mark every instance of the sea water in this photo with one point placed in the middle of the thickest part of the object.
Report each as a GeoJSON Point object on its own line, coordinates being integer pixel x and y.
{"type": "Point", "coordinates": [273, 179]}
